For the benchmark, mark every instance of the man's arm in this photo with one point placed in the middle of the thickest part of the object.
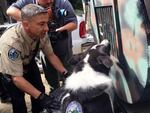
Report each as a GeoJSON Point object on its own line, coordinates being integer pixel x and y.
{"type": "Point", "coordinates": [54, 60]}
{"type": "Point", "coordinates": [69, 27]}
{"type": "Point", "coordinates": [25, 86]}
{"type": "Point", "coordinates": [14, 12]}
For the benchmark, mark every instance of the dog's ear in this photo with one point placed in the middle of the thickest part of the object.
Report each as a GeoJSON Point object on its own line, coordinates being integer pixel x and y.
{"type": "Point", "coordinates": [105, 60]}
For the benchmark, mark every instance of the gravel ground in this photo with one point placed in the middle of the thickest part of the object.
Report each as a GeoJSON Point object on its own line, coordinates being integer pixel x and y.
{"type": "Point", "coordinates": [7, 108]}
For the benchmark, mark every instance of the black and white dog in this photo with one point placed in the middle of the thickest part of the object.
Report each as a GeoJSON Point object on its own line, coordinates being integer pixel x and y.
{"type": "Point", "coordinates": [85, 90]}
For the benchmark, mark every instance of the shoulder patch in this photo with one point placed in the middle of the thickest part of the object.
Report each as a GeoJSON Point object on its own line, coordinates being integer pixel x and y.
{"type": "Point", "coordinates": [74, 107]}
{"type": "Point", "coordinates": [13, 54]}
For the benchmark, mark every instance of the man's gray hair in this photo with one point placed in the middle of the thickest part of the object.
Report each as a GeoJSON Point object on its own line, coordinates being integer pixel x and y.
{"type": "Point", "coordinates": [31, 10]}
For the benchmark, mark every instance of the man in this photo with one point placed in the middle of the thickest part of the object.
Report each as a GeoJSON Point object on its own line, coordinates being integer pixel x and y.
{"type": "Point", "coordinates": [18, 47]}
{"type": "Point", "coordinates": [61, 39]}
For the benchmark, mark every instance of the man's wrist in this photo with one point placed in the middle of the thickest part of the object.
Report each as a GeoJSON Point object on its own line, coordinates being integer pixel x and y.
{"type": "Point", "coordinates": [64, 72]}
{"type": "Point", "coordinates": [37, 95]}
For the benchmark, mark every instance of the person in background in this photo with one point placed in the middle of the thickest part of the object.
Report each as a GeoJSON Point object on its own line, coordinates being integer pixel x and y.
{"type": "Point", "coordinates": [20, 73]}
{"type": "Point", "coordinates": [61, 23]}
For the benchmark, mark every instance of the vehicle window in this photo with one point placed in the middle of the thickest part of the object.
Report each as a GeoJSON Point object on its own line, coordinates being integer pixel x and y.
{"type": "Point", "coordinates": [105, 22]}
{"type": "Point", "coordinates": [77, 5]}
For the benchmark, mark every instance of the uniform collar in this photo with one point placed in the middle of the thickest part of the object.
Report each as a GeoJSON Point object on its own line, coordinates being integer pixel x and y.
{"type": "Point", "coordinates": [25, 36]}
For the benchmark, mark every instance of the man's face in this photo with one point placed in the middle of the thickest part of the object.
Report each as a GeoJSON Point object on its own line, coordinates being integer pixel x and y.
{"type": "Point", "coordinates": [46, 3]}
{"type": "Point", "coordinates": [37, 27]}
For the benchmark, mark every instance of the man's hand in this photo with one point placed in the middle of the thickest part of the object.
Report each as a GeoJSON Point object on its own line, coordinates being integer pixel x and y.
{"type": "Point", "coordinates": [66, 74]}
{"type": "Point", "coordinates": [48, 102]}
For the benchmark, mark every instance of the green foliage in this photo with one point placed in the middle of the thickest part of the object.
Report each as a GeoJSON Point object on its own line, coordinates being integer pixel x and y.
{"type": "Point", "coordinates": [77, 4]}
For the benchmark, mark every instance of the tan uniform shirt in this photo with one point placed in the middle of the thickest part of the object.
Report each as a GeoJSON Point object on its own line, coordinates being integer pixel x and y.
{"type": "Point", "coordinates": [17, 49]}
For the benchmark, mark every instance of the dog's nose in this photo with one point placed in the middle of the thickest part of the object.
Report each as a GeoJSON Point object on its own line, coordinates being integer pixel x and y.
{"type": "Point", "coordinates": [105, 42]}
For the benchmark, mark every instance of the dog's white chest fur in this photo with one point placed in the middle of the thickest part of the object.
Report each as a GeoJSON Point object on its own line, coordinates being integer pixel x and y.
{"type": "Point", "coordinates": [86, 79]}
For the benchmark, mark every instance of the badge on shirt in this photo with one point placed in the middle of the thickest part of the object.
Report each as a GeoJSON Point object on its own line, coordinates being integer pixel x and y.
{"type": "Point", "coordinates": [74, 107]}
{"type": "Point", "coordinates": [13, 54]}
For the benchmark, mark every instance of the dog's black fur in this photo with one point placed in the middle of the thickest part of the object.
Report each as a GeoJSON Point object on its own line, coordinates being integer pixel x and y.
{"type": "Point", "coordinates": [89, 81]}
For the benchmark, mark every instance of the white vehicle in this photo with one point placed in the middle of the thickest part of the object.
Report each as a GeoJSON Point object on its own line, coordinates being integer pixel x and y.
{"type": "Point", "coordinates": [80, 39]}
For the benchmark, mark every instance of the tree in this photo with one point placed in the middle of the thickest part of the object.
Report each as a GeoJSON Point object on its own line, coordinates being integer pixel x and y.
{"type": "Point", "coordinates": [77, 4]}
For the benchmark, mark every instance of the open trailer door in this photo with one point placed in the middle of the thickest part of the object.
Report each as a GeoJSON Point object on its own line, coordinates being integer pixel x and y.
{"type": "Point", "coordinates": [126, 23]}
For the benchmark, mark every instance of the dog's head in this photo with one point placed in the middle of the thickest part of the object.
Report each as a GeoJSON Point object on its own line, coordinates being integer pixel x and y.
{"type": "Point", "coordinates": [98, 57]}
